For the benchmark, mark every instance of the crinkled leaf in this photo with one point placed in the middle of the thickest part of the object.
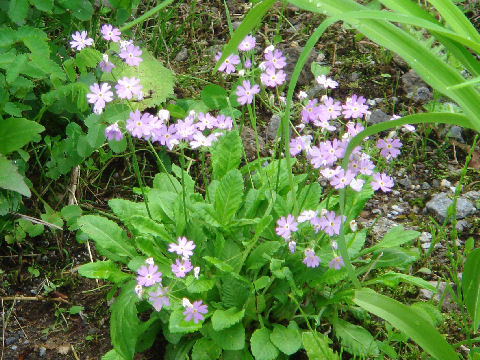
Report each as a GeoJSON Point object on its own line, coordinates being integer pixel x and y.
{"type": "Point", "coordinates": [228, 196]}
{"type": "Point", "coordinates": [222, 319]}
{"type": "Point", "coordinates": [355, 339]}
{"type": "Point", "coordinates": [317, 346]}
{"type": "Point", "coordinates": [17, 10]}
{"type": "Point", "coordinates": [15, 133]}
{"type": "Point", "coordinates": [262, 347]}
{"type": "Point", "coordinates": [10, 179]}
{"type": "Point", "coordinates": [232, 338]}
{"type": "Point", "coordinates": [214, 96]}
{"type": "Point", "coordinates": [103, 270]}
{"type": "Point", "coordinates": [206, 349]}
{"type": "Point", "coordinates": [226, 154]}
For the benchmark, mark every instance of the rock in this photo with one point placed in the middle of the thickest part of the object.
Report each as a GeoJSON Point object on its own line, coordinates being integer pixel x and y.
{"type": "Point", "coordinates": [462, 225]}
{"type": "Point", "coordinates": [436, 183]}
{"type": "Point", "coordinates": [425, 186]}
{"type": "Point", "coordinates": [42, 351]}
{"type": "Point", "coordinates": [448, 303]}
{"type": "Point", "coordinates": [439, 203]}
{"type": "Point", "coordinates": [399, 61]}
{"type": "Point", "coordinates": [425, 237]}
{"type": "Point", "coordinates": [411, 82]}
{"type": "Point", "coordinates": [422, 94]}
{"type": "Point", "coordinates": [354, 76]}
{"type": "Point", "coordinates": [182, 55]}
{"type": "Point", "coordinates": [292, 54]}
{"type": "Point", "coordinates": [248, 140]}
{"type": "Point", "coordinates": [378, 116]}
{"type": "Point", "coordinates": [472, 195]}
{"type": "Point", "coordinates": [456, 133]}
{"type": "Point", "coordinates": [11, 340]}
{"type": "Point", "coordinates": [13, 347]}
{"type": "Point", "coordinates": [272, 127]}
{"type": "Point", "coordinates": [315, 91]}
{"type": "Point", "coordinates": [235, 25]}
{"type": "Point", "coordinates": [381, 227]}
{"type": "Point", "coordinates": [405, 182]}
{"type": "Point", "coordinates": [445, 184]}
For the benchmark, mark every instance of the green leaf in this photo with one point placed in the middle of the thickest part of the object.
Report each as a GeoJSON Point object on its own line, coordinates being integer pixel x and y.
{"type": "Point", "coordinates": [262, 347]}
{"type": "Point", "coordinates": [109, 238]}
{"type": "Point", "coordinates": [253, 18]}
{"type": "Point", "coordinates": [226, 154]}
{"type": "Point", "coordinates": [404, 319]}
{"type": "Point", "coordinates": [222, 319]}
{"type": "Point", "coordinates": [17, 10]}
{"type": "Point", "coordinates": [232, 338]}
{"type": "Point", "coordinates": [355, 339]}
{"type": "Point", "coordinates": [199, 285]}
{"type": "Point", "coordinates": [15, 133]}
{"type": "Point", "coordinates": [317, 346]}
{"type": "Point", "coordinates": [43, 5]}
{"type": "Point", "coordinates": [260, 256]}
{"type": "Point", "coordinates": [80, 9]}
{"type": "Point", "coordinates": [394, 237]}
{"type": "Point", "coordinates": [103, 270]}
{"type": "Point", "coordinates": [112, 355]}
{"type": "Point", "coordinates": [288, 340]}
{"type": "Point", "coordinates": [318, 69]}
{"type": "Point", "coordinates": [10, 179]}
{"type": "Point", "coordinates": [145, 225]}
{"type": "Point", "coordinates": [392, 279]}
{"type": "Point", "coordinates": [214, 96]}
{"type": "Point", "coordinates": [471, 286]}
{"type": "Point", "coordinates": [177, 324]}
{"type": "Point", "coordinates": [228, 196]}
{"type": "Point", "coordinates": [206, 349]}
{"type": "Point", "coordinates": [124, 323]}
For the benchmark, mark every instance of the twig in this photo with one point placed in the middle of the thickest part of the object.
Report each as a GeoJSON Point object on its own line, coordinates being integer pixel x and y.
{"type": "Point", "coordinates": [72, 190]}
{"type": "Point", "coordinates": [36, 221]}
{"type": "Point", "coordinates": [74, 352]}
{"type": "Point", "coordinates": [32, 298]}
{"type": "Point", "coordinates": [24, 333]}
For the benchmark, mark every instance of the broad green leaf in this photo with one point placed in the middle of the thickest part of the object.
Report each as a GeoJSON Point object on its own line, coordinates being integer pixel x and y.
{"type": "Point", "coordinates": [222, 319]}
{"type": "Point", "coordinates": [166, 182]}
{"type": "Point", "coordinates": [15, 133]}
{"type": "Point", "coordinates": [199, 285]}
{"type": "Point", "coordinates": [288, 340]}
{"type": "Point", "coordinates": [237, 355]}
{"type": "Point", "coordinates": [80, 9]}
{"type": "Point", "coordinates": [226, 154]}
{"type": "Point", "coordinates": [206, 349]}
{"type": "Point", "coordinates": [214, 96]}
{"type": "Point", "coordinates": [112, 355]}
{"type": "Point", "coordinates": [103, 270]}
{"type": "Point", "coordinates": [17, 10]}
{"type": "Point", "coordinates": [228, 196]}
{"type": "Point", "coordinates": [394, 257]}
{"type": "Point", "coordinates": [471, 286]}
{"type": "Point", "coordinates": [108, 236]}
{"type": "Point", "coordinates": [232, 338]}
{"type": "Point", "coordinates": [317, 346]}
{"type": "Point", "coordinates": [145, 225]}
{"type": "Point", "coordinates": [392, 279]}
{"type": "Point", "coordinates": [43, 5]}
{"type": "Point", "coordinates": [126, 209]}
{"type": "Point", "coordinates": [124, 323]}
{"type": "Point", "coordinates": [260, 256]}
{"type": "Point", "coordinates": [253, 18]}
{"type": "Point", "coordinates": [262, 347]}
{"type": "Point", "coordinates": [355, 339]}
{"type": "Point", "coordinates": [10, 179]}
{"type": "Point", "coordinates": [162, 205]}
{"type": "Point", "coordinates": [404, 319]}
{"type": "Point", "coordinates": [394, 237]}
{"type": "Point", "coordinates": [430, 312]}
{"type": "Point", "coordinates": [177, 324]}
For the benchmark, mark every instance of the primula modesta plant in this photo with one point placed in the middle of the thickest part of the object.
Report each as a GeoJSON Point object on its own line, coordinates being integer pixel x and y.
{"type": "Point", "coordinates": [247, 44]}
{"type": "Point", "coordinates": [148, 276]}
{"type": "Point", "coordinates": [110, 33]}
{"type": "Point", "coordinates": [131, 55]}
{"type": "Point", "coordinates": [80, 40]}
{"type": "Point", "coordinates": [245, 93]}
{"type": "Point", "coordinates": [195, 311]}
{"type": "Point", "coordinates": [99, 96]}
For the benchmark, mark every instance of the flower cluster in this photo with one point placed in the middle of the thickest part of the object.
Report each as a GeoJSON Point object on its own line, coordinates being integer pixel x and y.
{"type": "Point", "coordinates": [328, 222]}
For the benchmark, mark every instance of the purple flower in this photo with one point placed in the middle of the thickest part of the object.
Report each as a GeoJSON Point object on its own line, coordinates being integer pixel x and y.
{"type": "Point", "coordinates": [169, 137]}
{"type": "Point", "coordinates": [127, 87]}
{"type": "Point", "coordinates": [336, 263]}
{"type": "Point", "coordinates": [80, 40]}
{"type": "Point", "coordinates": [311, 260]}
{"type": "Point", "coordinates": [331, 223]}
{"type": "Point", "coordinates": [326, 82]}
{"type": "Point", "coordinates": [286, 226]}
{"type": "Point", "coordinates": [296, 146]}
{"type": "Point", "coordinates": [275, 59]}
{"type": "Point", "coordinates": [184, 247]}
{"type": "Point", "coordinates": [181, 269]}
{"type": "Point", "coordinates": [354, 107]}
{"type": "Point", "coordinates": [341, 179]}
{"type": "Point", "coordinates": [110, 33]}
{"type": "Point", "coordinates": [186, 128]}
{"type": "Point", "coordinates": [131, 55]}
{"type": "Point", "coordinates": [99, 96]}
{"type": "Point", "coordinates": [224, 122]}
{"type": "Point", "coordinates": [357, 184]}
{"type": "Point", "coordinates": [159, 298]}
{"type": "Point", "coordinates": [366, 166]}
{"type": "Point", "coordinates": [248, 64]}
{"type": "Point", "coordinates": [306, 215]}
{"type": "Point", "coordinates": [195, 311]}
{"type": "Point", "coordinates": [200, 140]}
{"type": "Point", "coordinates": [310, 112]}
{"type": "Point", "coordinates": [113, 132]}
{"type": "Point", "coordinates": [354, 128]}
{"type": "Point", "coordinates": [228, 66]}
{"type": "Point", "coordinates": [245, 93]}
{"type": "Point", "coordinates": [389, 148]}
{"type": "Point", "coordinates": [138, 124]}
{"type": "Point", "coordinates": [106, 65]}
{"type": "Point", "coordinates": [292, 245]}
{"type": "Point", "coordinates": [329, 173]}
{"type": "Point", "coordinates": [247, 44]}
{"type": "Point", "coordinates": [330, 109]}
{"type": "Point", "coordinates": [382, 181]}
{"type": "Point", "coordinates": [272, 78]}
{"type": "Point", "coordinates": [148, 276]}
{"type": "Point", "coordinates": [205, 121]}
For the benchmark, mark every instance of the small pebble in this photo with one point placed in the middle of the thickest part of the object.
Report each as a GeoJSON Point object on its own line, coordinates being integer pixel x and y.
{"type": "Point", "coordinates": [425, 186]}
{"type": "Point", "coordinates": [13, 347]}
{"type": "Point", "coordinates": [445, 183]}
{"type": "Point", "coordinates": [42, 351]}
{"type": "Point", "coordinates": [425, 237]}
{"type": "Point", "coordinates": [397, 209]}
{"type": "Point", "coordinates": [10, 340]}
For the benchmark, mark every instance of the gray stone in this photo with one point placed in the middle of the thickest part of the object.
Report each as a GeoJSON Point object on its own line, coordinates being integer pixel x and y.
{"type": "Point", "coordinates": [411, 82]}
{"type": "Point", "coordinates": [436, 183]}
{"type": "Point", "coordinates": [422, 94]}
{"type": "Point", "coordinates": [462, 225]}
{"type": "Point", "coordinates": [456, 133]}
{"type": "Point", "coordinates": [425, 186]}
{"type": "Point", "coordinates": [272, 127]}
{"type": "Point", "coordinates": [439, 203]}
{"type": "Point", "coordinates": [248, 140]}
{"type": "Point", "coordinates": [42, 351]}
{"type": "Point", "coordinates": [381, 227]}
{"type": "Point", "coordinates": [405, 182]}
{"type": "Point", "coordinates": [378, 116]}
{"type": "Point", "coordinates": [11, 340]}
{"type": "Point", "coordinates": [354, 76]}
{"type": "Point", "coordinates": [448, 303]}
{"type": "Point", "coordinates": [235, 25]}
{"type": "Point", "coordinates": [425, 237]}
{"type": "Point", "coordinates": [182, 55]}
{"type": "Point", "coordinates": [292, 54]}
{"type": "Point", "coordinates": [315, 91]}
{"type": "Point", "coordinates": [472, 195]}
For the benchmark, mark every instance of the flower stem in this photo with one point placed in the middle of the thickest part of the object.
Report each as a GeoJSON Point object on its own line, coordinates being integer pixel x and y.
{"type": "Point", "coordinates": [137, 173]}
{"type": "Point", "coordinates": [146, 15]}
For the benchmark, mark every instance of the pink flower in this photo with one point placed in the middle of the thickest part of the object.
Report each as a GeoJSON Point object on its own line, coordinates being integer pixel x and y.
{"type": "Point", "coordinates": [310, 112]}
{"type": "Point", "coordinates": [224, 122]}
{"type": "Point", "coordinates": [366, 166]}
{"type": "Point", "coordinates": [354, 107]}
{"type": "Point", "coordinates": [285, 227]}
{"type": "Point", "coordinates": [247, 44]}
{"type": "Point", "coordinates": [127, 87]}
{"type": "Point", "coordinates": [357, 184]}
{"type": "Point", "coordinates": [331, 223]}
{"type": "Point", "coordinates": [326, 82]}
{"type": "Point", "coordinates": [228, 66]}
{"type": "Point", "coordinates": [390, 148]}
{"type": "Point", "coordinates": [311, 260]}
{"type": "Point", "coordinates": [184, 247]}
{"type": "Point", "coordinates": [80, 40]}
{"type": "Point", "coordinates": [200, 140]}
{"type": "Point", "coordinates": [336, 263]}
{"type": "Point", "coordinates": [275, 59]}
{"type": "Point", "coordinates": [181, 269]}
{"type": "Point", "coordinates": [245, 93]}
{"type": "Point", "coordinates": [113, 132]}
{"type": "Point", "coordinates": [194, 311]}
{"type": "Point", "coordinates": [271, 78]}
{"type": "Point", "coordinates": [292, 245]}
{"type": "Point", "coordinates": [99, 96]}
{"type": "Point", "coordinates": [110, 33]}
{"type": "Point", "coordinates": [131, 55]}
{"type": "Point", "coordinates": [106, 65]}
{"type": "Point", "coordinates": [206, 121]}
{"type": "Point", "coordinates": [148, 276]}
{"type": "Point", "coordinates": [330, 109]}
{"type": "Point", "coordinates": [159, 298]}
{"type": "Point", "coordinates": [138, 124]}
{"type": "Point", "coordinates": [296, 146]}
{"type": "Point", "coordinates": [306, 215]}
{"type": "Point", "coordinates": [382, 182]}
{"type": "Point", "coordinates": [342, 179]}
{"type": "Point", "coordinates": [354, 128]}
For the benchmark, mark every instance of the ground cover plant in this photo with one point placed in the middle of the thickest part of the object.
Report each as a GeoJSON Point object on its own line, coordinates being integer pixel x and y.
{"type": "Point", "coordinates": [223, 253]}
